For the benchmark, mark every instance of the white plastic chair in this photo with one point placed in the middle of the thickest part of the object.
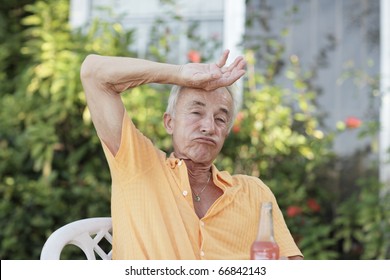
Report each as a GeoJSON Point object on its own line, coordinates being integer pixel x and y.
{"type": "Point", "coordinates": [85, 234]}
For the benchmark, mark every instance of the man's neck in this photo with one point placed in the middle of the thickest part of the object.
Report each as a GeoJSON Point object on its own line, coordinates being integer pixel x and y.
{"type": "Point", "coordinates": [197, 168]}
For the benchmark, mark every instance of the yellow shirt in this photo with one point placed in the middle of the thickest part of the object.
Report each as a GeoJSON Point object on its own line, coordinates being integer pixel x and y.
{"type": "Point", "coordinates": [153, 214]}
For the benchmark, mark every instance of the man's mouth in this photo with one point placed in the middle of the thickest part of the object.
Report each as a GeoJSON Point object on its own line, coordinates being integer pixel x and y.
{"type": "Point", "coordinates": [206, 140]}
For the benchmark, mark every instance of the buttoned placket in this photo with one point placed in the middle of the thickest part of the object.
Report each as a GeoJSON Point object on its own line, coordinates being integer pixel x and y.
{"type": "Point", "coordinates": [185, 193]}
{"type": "Point", "coordinates": [184, 189]}
{"type": "Point", "coordinates": [179, 164]}
{"type": "Point", "coordinates": [202, 253]}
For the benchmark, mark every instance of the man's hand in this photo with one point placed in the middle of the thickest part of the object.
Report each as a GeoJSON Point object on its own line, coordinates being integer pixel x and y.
{"type": "Point", "coordinates": [214, 75]}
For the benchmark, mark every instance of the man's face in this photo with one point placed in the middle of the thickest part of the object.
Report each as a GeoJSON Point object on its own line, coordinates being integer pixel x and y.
{"type": "Point", "coordinates": [200, 124]}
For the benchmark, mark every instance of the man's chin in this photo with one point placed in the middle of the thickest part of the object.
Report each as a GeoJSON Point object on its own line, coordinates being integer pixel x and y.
{"type": "Point", "coordinates": [197, 158]}
{"type": "Point", "coordinates": [202, 159]}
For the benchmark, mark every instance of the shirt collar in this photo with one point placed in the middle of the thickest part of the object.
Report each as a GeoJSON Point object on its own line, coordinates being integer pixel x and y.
{"type": "Point", "coordinates": [222, 176]}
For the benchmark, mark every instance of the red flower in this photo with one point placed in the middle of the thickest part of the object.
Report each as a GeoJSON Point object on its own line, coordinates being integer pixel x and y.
{"type": "Point", "coordinates": [313, 205]}
{"type": "Point", "coordinates": [194, 56]}
{"type": "Point", "coordinates": [237, 123]}
{"type": "Point", "coordinates": [353, 122]}
{"type": "Point", "coordinates": [293, 211]}
{"type": "Point", "coordinates": [240, 116]}
{"type": "Point", "coordinates": [236, 128]}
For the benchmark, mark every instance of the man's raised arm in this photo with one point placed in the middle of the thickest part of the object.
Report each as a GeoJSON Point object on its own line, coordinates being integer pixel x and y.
{"type": "Point", "coordinates": [104, 78]}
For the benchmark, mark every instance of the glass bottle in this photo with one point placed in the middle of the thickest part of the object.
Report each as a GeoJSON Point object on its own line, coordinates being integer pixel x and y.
{"type": "Point", "coordinates": [265, 246]}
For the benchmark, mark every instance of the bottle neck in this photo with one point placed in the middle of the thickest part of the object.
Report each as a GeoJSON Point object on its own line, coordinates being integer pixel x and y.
{"type": "Point", "coordinates": [266, 228]}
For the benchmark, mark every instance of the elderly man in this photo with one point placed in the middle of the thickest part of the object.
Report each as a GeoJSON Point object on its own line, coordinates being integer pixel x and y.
{"type": "Point", "coordinates": [178, 206]}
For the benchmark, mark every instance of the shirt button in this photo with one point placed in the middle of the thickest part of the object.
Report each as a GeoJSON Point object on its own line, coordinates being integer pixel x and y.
{"type": "Point", "coordinates": [201, 223]}
{"type": "Point", "coordinates": [185, 193]}
{"type": "Point", "coordinates": [202, 253]}
{"type": "Point", "coordinates": [180, 163]}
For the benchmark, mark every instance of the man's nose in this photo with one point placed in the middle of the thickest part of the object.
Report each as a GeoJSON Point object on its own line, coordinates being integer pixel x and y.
{"type": "Point", "coordinates": [208, 125]}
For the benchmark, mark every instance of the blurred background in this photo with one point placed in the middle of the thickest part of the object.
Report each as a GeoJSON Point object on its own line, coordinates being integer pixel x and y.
{"type": "Point", "coordinates": [313, 124]}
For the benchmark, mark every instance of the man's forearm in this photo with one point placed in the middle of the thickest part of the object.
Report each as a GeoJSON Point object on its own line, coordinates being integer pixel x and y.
{"type": "Point", "coordinates": [120, 73]}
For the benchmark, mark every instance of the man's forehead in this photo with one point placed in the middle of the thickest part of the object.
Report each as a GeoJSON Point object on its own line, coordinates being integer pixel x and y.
{"type": "Point", "coordinates": [192, 97]}
{"type": "Point", "coordinates": [194, 103]}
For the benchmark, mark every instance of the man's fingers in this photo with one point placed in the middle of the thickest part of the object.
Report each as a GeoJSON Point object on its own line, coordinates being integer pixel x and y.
{"type": "Point", "coordinates": [239, 63]}
{"type": "Point", "coordinates": [212, 76]}
{"type": "Point", "coordinates": [226, 79]}
{"type": "Point", "coordinates": [239, 74]}
{"type": "Point", "coordinates": [223, 59]}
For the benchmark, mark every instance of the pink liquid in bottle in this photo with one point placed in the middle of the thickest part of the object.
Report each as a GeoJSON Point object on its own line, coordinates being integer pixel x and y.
{"type": "Point", "coordinates": [264, 250]}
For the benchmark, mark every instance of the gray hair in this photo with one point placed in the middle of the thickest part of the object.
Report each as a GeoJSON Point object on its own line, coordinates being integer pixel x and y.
{"type": "Point", "coordinates": [176, 90]}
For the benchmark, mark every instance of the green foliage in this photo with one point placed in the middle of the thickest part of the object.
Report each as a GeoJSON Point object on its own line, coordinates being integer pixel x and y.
{"type": "Point", "coordinates": [52, 169]}
{"type": "Point", "coordinates": [363, 222]}
{"type": "Point", "coordinates": [10, 42]}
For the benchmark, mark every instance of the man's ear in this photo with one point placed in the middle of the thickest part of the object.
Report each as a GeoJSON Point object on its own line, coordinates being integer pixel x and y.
{"type": "Point", "coordinates": [168, 123]}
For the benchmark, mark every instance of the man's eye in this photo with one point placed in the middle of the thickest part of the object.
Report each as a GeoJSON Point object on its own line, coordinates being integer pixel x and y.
{"type": "Point", "coordinates": [195, 113]}
{"type": "Point", "coordinates": [221, 120]}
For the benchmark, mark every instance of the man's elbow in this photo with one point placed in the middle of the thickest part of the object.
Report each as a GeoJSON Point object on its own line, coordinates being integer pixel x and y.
{"type": "Point", "coordinates": [89, 67]}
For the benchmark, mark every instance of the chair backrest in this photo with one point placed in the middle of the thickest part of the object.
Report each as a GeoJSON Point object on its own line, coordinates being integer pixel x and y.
{"type": "Point", "coordinates": [85, 234]}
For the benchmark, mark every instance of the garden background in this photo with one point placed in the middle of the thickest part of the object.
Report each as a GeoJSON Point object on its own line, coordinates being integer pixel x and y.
{"type": "Point", "coordinates": [53, 171]}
